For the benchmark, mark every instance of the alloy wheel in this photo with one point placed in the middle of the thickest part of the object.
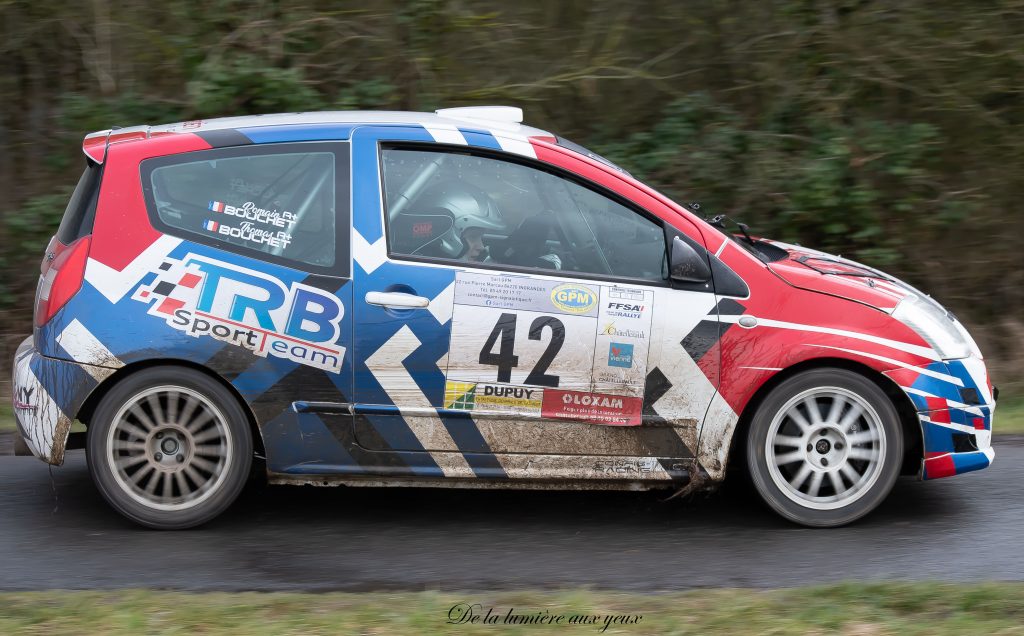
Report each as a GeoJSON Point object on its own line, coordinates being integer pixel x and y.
{"type": "Point", "coordinates": [825, 448]}
{"type": "Point", "coordinates": [168, 447]}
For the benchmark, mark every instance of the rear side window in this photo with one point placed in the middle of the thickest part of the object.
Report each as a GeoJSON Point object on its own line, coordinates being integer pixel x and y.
{"type": "Point", "coordinates": [288, 202]}
{"type": "Point", "coordinates": [81, 211]}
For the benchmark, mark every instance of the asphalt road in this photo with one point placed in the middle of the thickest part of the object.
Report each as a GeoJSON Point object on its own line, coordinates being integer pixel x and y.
{"type": "Point", "coordinates": [288, 538]}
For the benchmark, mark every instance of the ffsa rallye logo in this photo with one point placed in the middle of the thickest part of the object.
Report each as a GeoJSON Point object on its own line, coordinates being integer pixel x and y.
{"type": "Point", "coordinates": [205, 297]}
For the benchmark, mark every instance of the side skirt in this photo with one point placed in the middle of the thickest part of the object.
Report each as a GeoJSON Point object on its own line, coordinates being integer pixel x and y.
{"type": "Point", "coordinates": [427, 482]}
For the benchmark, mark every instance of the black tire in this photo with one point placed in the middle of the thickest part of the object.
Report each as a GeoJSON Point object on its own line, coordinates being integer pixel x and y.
{"type": "Point", "coordinates": [826, 386]}
{"type": "Point", "coordinates": [228, 427]}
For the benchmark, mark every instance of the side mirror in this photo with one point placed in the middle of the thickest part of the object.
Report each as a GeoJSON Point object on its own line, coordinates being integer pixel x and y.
{"type": "Point", "coordinates": [686, 265]}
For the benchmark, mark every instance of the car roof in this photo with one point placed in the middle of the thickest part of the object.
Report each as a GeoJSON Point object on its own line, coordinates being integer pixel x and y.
{"type": "Point", "coordinates": [494, 119]}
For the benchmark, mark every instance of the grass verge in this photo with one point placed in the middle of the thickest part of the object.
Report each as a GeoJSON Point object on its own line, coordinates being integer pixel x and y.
{"type": "Point", "coordinates": [889, 608]}
{"type": "Point", "coordinates": [1009, 418]}
{"type": "Point", "coordinates": [6, 417]}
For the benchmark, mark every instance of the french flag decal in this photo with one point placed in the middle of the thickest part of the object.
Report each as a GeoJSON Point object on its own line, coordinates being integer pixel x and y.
{"type": "Point", "coordinates": [216, 206]}
{"type": "Point", "coordinates": [211, 225]}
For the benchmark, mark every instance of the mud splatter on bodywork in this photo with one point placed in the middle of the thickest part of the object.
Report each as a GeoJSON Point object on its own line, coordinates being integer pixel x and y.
{"type": "Point", "coordinates": [46, 392]}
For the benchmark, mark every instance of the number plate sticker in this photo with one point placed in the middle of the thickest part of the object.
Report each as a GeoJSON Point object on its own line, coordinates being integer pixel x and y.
{"type": "Point", "coordinates": [577, 343]}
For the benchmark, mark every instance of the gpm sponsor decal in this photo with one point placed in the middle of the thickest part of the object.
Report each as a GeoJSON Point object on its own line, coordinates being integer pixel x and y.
{"type": "Point", "coordinates": [206, 297]}
{"type": "Point", "coordinates": [573, 299]}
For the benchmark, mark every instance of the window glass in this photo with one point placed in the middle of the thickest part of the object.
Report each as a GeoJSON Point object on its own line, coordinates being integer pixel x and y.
{"type": "Point", "coordinates": [81, 209]}
{"type": "Point", "coordinates": [282, 203]}
{"type": "Point", "coordinates": [482, 210]}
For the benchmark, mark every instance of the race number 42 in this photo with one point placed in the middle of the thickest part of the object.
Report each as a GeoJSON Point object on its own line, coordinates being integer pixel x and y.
{"type": "Point", "coordinates": [503, 336]}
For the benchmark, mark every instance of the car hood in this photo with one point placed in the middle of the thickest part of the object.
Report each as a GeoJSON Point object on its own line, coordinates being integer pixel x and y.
{"type": "Point", "coordinates": [828, 274]}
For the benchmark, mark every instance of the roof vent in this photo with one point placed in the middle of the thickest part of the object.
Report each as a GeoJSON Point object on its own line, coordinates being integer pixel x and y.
{"type": "Point", "coordinates": [505, 114]}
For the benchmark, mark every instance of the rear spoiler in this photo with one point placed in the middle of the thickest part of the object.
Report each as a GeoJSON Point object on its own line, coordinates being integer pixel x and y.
{"type": "Point", "coordinates": [95, 144]}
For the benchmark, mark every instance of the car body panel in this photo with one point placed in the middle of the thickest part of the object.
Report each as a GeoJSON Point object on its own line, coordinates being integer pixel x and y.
{"type": "Point", "coordinates": [379, 401]}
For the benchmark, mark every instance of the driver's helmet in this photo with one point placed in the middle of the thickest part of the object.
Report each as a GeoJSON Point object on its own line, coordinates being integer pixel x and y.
{"type": "Point", "coordinates": [469, 206]}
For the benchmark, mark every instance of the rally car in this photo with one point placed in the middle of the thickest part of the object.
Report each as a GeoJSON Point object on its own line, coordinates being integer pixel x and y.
{"type": "Point", "coordinates": [457, 299]}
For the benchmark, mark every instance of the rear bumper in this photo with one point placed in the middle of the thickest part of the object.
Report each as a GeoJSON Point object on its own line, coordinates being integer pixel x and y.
{"type": "Point", "coordinates": [955, 405]}
{"type": "Point", "coordinates": [47, 394]}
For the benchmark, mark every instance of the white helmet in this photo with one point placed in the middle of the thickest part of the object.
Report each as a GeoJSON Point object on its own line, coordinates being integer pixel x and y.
{"type": "Point", "coordinates": [469, 206]}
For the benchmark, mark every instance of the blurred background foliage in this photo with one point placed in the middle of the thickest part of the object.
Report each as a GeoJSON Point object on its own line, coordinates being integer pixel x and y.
{"type": "Point", "coordinates": [890, 131]}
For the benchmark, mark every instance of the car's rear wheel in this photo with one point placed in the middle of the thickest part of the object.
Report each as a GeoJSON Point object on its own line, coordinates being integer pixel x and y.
{"type": "Point", "coordinates": [825, 447]}
{"type": "Point", "coordinates": [169, 447]}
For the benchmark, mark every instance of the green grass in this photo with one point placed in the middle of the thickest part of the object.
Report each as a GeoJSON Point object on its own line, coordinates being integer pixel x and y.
{"type": "Point", "coordinates": [6, 417]}
{"type": "Point", "coordinates": [7, 420]}
{"type": "Point", "coordinates": [1009, 417]}
{"type": "Point", "coordinates": [862, 609]}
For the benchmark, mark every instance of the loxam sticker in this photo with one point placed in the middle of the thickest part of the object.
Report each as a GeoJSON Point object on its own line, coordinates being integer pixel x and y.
{"type": "Point", "coordinates": [615, 410]}
{"type": "Point", "coordinates": [202, 296]}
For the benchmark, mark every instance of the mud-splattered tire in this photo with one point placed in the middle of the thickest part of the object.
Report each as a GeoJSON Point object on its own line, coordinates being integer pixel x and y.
{"type": "Point", "coordinates": [169, 448]}
{"type": "Point", "coordinates": [825, 447]}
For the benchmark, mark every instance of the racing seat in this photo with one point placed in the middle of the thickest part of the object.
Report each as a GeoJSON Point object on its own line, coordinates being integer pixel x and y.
{"type": "Point", "coordinates": [527, 245]}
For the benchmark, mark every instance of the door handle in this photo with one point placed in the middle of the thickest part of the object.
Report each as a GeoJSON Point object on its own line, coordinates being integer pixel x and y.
{"type": "Point", "coordinates": [397, 300]}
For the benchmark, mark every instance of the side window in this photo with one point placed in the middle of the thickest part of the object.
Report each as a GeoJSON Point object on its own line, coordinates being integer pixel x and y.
{"type": "Point", "coordinates": [477, 209]}
{"type": "Point", "coordinates": [283, 202]}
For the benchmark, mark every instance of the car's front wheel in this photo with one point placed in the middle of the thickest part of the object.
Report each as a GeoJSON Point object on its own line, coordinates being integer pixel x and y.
{"type": "Point", "coordinates": [825, 447]}
{"type": "Point", "coordinates": [169, 447]}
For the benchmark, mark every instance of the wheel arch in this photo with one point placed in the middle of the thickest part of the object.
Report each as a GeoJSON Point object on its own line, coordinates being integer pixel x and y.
{"type": "Point", "coordinates": [85, 412]}
{"type": "Point", "coordinates": [913, 437]}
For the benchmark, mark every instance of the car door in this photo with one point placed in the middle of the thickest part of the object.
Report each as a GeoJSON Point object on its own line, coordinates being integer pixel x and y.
{"type": "Point", "coordinates": [559, 338]}
{"type": "Point", "coordinates": [257, 285]}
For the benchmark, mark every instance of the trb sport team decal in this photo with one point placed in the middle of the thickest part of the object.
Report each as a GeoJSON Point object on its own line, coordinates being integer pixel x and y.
{"type": "Point", "coordinates": [202, 297]}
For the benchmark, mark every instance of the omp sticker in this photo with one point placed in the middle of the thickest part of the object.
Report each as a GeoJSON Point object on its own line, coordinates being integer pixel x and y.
{"type": "Point", "coordinates": [601, 408]}
{"type": "Point", "coordinates": [201, 296]}
{"type": "Point", "coordinates": [496, 398]}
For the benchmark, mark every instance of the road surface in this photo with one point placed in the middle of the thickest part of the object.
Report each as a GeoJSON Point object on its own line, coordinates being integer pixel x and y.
{"type": "Point", "coordinates": [287, 538]}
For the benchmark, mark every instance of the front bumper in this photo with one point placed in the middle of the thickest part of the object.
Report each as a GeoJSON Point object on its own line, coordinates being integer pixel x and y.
{"type": "Point", "coordinates": [955, 404]}
{"type": "Point", "coordinates": [47, 394]}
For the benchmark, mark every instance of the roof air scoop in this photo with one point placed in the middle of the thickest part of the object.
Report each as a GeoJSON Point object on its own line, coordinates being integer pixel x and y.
{"type": "Point", "coordinates": [503, 114]}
